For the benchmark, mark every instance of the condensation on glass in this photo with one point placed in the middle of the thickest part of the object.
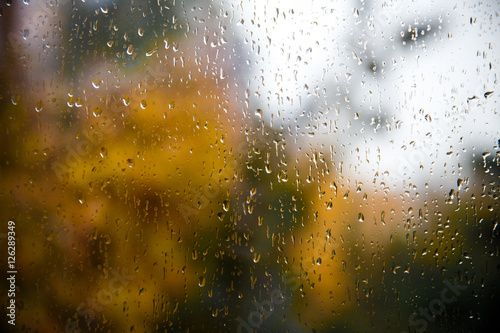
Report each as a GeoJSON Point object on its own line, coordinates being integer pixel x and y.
{"type": "Point", "coordinates": [242, 166]}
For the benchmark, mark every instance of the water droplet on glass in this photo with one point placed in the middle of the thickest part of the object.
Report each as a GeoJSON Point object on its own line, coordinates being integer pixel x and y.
{"type": "Point", "coordinates": [96, 83]}
{"type": "Point", "coordinates": [194, 254]}
{"type": "Point", "coordinates": [151, 52]}
{"type": "Point", "coordinates": [39, 106]}
{"type": "Point", "coordinates": [97, 112]}
{"type": "Point", "coordinates": [15, 99]}
{"type": "Point", "coordinates": [361, 217]}
{"type": "Point", "coordinates": [49, 235]}
{"type": "Point", "coordinates": [140, 32]}
{"type": "Point", "coordinates": [78, 102]}
{"type": "Point", "coordinates": [130, 49]}
{"type": "Point", "coordinates": [225, 205]}
{"type": "Point", "coordinates": [143, 104]}
{"type": "Point", "coordinates": [126, 100]}
{"type": "Point", "coordinates": [130, 162]}
{"type": "Point", "coordinates": [107, 239]}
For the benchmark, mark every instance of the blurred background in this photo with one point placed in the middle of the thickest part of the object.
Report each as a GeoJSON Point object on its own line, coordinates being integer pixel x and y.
{"type": "Point", "coordinates": [241, 166]}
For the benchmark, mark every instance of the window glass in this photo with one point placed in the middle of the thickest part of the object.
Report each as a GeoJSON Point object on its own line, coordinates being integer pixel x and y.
{"type": "Point", "coordinates": [241, 166]}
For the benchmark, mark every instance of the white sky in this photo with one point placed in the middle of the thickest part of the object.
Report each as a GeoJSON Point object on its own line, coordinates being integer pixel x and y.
{"type": "Point", "coordinates": [302, 66]}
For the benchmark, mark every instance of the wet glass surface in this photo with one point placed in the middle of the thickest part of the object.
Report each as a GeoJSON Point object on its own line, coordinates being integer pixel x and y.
{"type": "Point", "coordinates": [241, 166]}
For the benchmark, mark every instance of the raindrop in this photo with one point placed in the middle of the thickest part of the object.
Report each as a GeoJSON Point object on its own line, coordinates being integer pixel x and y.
{"type": "Point", "coordinates": [49, 235]}
{"type": "Point", "coordinates": [151, 52]}
{"type": "Point", "coordinates": [126, 100]}
{"type": "Point", "coordinates": [39, 106]}
{"type": "Point", "coordinates": [143, 104]}
{"type": "Point", "coordinates": [361, 217]}
{"type": "Point", "coordinates": [96, 83]}
{"type": "Point", "coordinates": [225, 205]}
{"type": "Point", "coordinates": [78, 102]}
{"type": "Point", "coordinates": [256, 258]}
{"type": "Point", "coordinates": [15, 99]}
{"type": "Point", "coordinates": [130, 162]}
{"type": "Point", "coordinates": [97, 112]}
{"type": "Point", "coordinates": [107, 239]}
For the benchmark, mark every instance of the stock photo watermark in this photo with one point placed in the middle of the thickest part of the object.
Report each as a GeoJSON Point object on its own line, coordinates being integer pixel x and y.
{"type": "Point", "coordinates": [11, 271]}
{"type": "Point", "coordinates": [375, 22]}
{"type": "Point", "coordinates": [75, 154]}
{"type": "Point", "coordinates": [266, 308]}
{"type": "Point", "coordinates": [40, 12]}
{"type": "Point", "coordinates": [409, 164]}
{"type": "Point", "coordinates": [88, 310]}
{"type": "Point", "coordinates": [449, 294]}
{"type": "Point", "coordinates": [213, 187]}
